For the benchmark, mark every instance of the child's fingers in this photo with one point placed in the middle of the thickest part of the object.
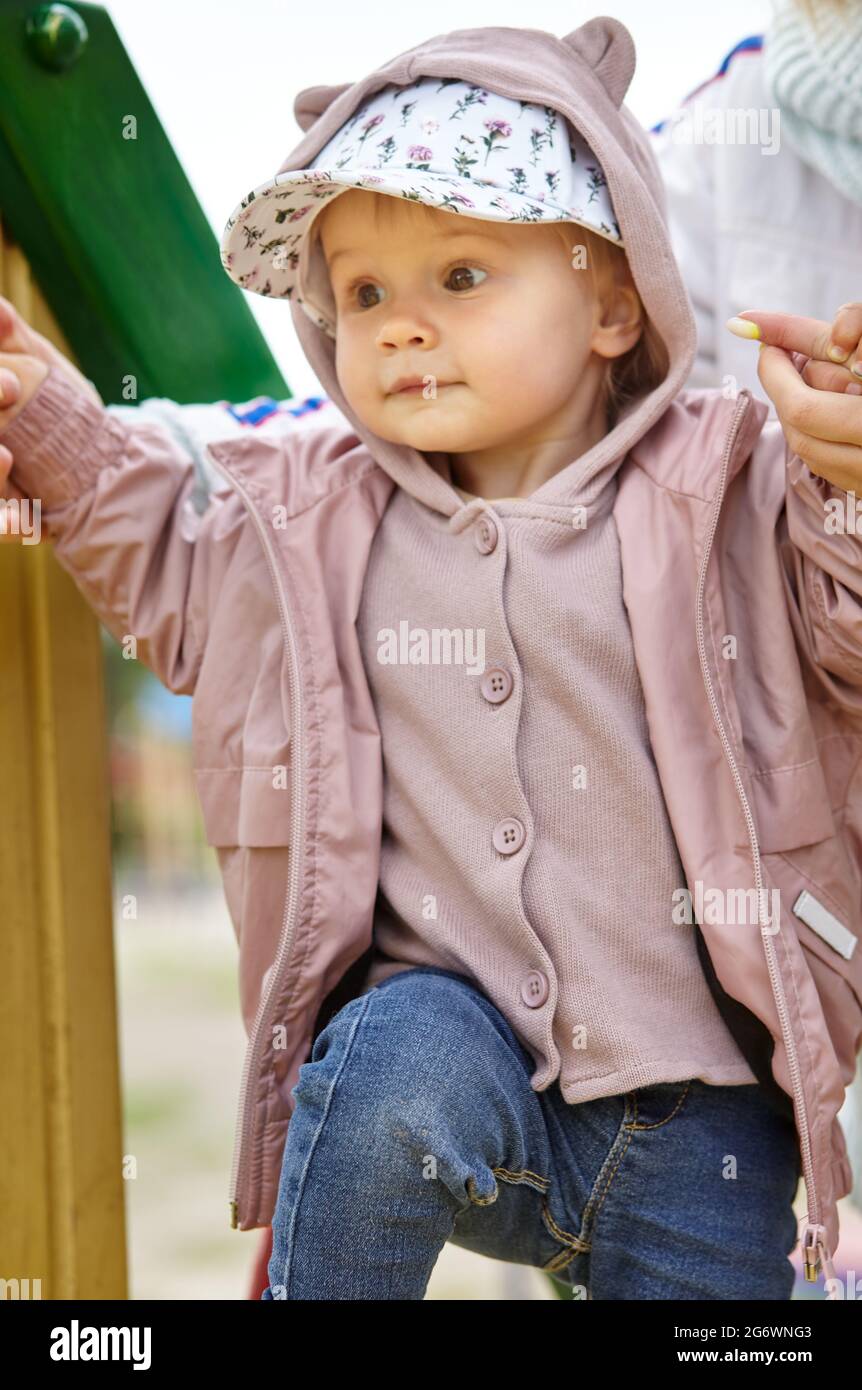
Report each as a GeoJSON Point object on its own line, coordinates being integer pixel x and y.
{"type": "Point", "coordinates": [20, 378]}
{"type": "Point", "coordinates": [8, 489]}
{"type": "Point", "coordinates": [8, 492]}
{"type": "Point", "coordinates": [8, 530]}
{"type": "Point", "coordinates": [17, 336]}
{"type": "Point", "coordinates": [10, 387]}
{"type": "Point", "coordinates": [8, 323]}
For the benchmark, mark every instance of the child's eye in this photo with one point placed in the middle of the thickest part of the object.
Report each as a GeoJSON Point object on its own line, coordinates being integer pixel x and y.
{"type": "Point", "coordinates": [359, 290]}
{"type": "Point", "coordinates": [461, 271]}
{"type": "Point", "coordinates": [470, 270]}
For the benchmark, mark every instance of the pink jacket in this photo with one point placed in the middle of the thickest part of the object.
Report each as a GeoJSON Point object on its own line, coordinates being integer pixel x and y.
{"type": "Point", "coordinates": [251, 607]}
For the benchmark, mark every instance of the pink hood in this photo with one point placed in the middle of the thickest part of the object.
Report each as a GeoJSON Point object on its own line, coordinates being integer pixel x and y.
{"type": "Point", "coordinates": [585, 76]}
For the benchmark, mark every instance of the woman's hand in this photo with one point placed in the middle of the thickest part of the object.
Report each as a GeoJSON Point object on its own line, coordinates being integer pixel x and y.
{"type": "Point", "coordinates": [820, 407]}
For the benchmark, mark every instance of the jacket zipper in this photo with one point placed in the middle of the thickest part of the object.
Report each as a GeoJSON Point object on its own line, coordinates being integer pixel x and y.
{"type": "Point", "coordinates": [813, 1237]}
{"type": "Point", "coordinates": [297, 754]}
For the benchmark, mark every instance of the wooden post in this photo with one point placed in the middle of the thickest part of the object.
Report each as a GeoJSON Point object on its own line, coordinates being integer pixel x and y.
{"type": "Point", "coordinates": [61, 1180]}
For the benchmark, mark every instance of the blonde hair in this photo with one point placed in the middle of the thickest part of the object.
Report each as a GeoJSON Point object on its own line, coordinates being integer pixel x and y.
{"type": "Point", "coordinates": [644, 366]}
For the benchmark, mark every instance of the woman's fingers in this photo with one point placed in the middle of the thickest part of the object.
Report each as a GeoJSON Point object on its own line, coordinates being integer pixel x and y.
{"type": "Point", "coordinates": [846, 336]}
{"type": "Point", "coordinates": [838, 341]}
{"type": "Point", "coordinates": [824, 377]}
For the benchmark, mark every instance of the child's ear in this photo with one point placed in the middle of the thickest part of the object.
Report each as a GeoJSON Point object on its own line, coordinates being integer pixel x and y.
{"type": "Point", "coordinates": [607, 47]}
{"type": "Point", "coordinates": [620, 324]}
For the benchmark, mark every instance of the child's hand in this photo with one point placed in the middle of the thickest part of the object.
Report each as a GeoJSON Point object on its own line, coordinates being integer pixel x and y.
{"type": "Point", "coordinates": [820, 407]}
{"type": "Point", "coordinates": [25, 357]}
{"type": "Point", "coordinates": [16, 335]}
{"type": "Point", "coordinates": [20, 379]}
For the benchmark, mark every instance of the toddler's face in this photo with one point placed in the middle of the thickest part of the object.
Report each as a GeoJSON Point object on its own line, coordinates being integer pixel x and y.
{"type": "Point", "coordinates": [509, 332]}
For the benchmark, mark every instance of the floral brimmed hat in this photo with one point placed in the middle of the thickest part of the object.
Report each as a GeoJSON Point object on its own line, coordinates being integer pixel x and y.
{"type": "Point", "coordinates": [452, 144]}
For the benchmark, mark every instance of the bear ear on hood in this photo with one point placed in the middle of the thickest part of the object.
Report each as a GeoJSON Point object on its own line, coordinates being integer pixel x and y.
{"type": "Point", "coordinates": [313, 101]}
{"type": "Point", "coordinates": [607, 47]}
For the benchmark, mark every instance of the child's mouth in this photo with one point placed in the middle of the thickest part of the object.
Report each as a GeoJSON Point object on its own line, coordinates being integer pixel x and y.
{"type": "Point", "coordinates": [420, 389]}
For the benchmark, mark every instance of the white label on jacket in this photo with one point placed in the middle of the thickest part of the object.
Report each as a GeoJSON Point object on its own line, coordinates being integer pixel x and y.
{"type": "Point", "coordinates": [819, 919]}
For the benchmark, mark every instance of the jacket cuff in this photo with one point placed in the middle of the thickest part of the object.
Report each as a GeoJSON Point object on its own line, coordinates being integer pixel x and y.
{"type": "Point", "coordinates": [60, 441]}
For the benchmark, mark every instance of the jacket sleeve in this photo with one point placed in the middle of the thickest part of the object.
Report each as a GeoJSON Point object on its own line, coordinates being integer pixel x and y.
{"type": "Point", "coordinates": [117, 498]}
{"type": "Point", "coordinates": [823, 563]}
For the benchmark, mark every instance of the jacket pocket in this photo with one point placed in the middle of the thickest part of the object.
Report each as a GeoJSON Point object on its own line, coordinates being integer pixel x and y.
{"type": "Point", "coordinates": [829, 938]}
{"type": "Point", "coordinates": [839, 986]}
{"type": "Point", "coordinates": [790, 806]}
{"type": "Point", "coordinates": [245, 805]}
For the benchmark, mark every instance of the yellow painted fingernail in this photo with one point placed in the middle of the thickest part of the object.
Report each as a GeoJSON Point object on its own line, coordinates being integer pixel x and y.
{"type": "Point", "coordinates": [836, 353]}
{"type": "Point", "coordinates": [743, 328]}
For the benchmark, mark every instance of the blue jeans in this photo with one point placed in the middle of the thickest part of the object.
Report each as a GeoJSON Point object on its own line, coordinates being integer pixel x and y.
{"type": "Point", "coordinates": [415, 1124]}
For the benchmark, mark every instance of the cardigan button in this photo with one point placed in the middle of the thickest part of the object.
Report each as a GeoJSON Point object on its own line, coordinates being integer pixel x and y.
{"type": "Point", "coordinates": [509, 835]}
{"type": "Point", "coordinates": [534, 989]}
{"type": "Point", "coordinates": [485, 534]}
{"type": "Point", "coordinates": [496, 685]}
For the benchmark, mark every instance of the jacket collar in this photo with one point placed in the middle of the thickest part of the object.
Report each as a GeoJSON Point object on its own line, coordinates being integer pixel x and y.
{"type": "Point", "coordinates": [683, 450]}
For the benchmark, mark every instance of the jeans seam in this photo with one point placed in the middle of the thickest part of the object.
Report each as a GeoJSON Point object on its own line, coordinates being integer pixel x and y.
{"type": "Point", "coordinates": [290, 1232]}
{"type": "Point", "coordinates": [629, 1128]}
{"type": "Point", "coordinates": [572, 1244]}
{"type": "Point", "coordinates": [658, 1124]}
{"type": "Point", "coordinates": [591, 1211]}
{"type": "Point", "coordinates": [524, 1175]}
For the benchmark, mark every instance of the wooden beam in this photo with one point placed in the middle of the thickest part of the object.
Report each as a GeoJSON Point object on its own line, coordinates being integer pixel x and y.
{"type": "Point", "coordinates": [62, 1217]}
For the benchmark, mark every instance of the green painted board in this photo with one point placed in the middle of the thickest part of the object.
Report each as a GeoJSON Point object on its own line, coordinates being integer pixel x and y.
{"type": "Point", "coordinates": [111, 227]}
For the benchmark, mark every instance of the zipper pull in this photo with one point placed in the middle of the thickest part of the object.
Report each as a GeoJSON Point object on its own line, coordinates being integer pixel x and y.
{"type": "Point", "coordinates": [811, 1243]}
{"type": "Point", "coordinates": [814, 1254]}
{"type": "Point", "coordinates": [233, 1208]}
